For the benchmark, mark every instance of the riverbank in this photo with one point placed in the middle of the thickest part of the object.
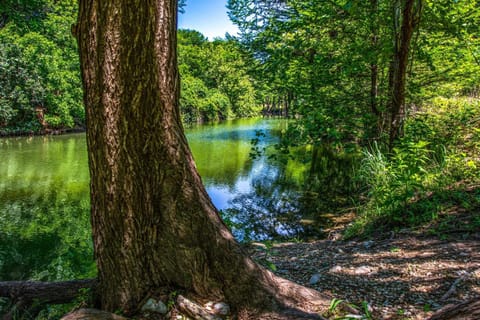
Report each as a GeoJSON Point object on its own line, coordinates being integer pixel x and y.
{"type": "Point", "coordinates": [399, 275]}
{"type": "Point", "coordinates": [46, 132]}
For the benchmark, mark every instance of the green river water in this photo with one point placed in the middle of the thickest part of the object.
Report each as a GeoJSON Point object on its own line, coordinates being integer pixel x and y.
{"type": "Point", "coordinates": [44, 195]}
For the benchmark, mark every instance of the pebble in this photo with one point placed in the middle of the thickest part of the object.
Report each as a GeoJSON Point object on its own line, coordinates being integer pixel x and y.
{"type": "Point", "coordinates": [335, 269]}
{"type": "Point", "coordinates": [221, 308]}
{"type": "Point", "coordinates": [155, 306]}
{"type": "Point", "coordinates": [368, 244]}
{"type": "Point", "coordinates": [363, 270]}
{"type": "Point", "coordinates": [315, 279]}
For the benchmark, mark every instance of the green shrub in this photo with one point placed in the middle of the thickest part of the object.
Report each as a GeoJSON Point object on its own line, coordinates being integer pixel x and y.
{"type": "Point", "coordinates": [408, 187]}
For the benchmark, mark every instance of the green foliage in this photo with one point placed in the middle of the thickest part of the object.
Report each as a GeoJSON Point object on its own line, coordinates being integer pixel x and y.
{"type": "Point", "coordinates": [215, 85]}
{"type": "Point", "coordinates": [334, 304]}
{"type": "Point", "coordinates": [40, 83]}
{"type": "Point", "coordinates": [334, 311]}
{"type": "Point", "coordinates": [334, 60]}
{"type": "Point", "coordinates": [413, 185]}
{"type": "Point", "coordinates": [25, 14]}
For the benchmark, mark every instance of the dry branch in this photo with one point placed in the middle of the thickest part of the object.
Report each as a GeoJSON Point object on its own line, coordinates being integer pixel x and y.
{"type": "Point", "coordinates": [468, 310]}
{"type": "Point", "coordinates": [453, 287]}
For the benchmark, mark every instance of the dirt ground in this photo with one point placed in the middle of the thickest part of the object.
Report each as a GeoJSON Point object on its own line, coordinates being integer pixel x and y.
{"type": "Point", "coordinates": [403, 276]}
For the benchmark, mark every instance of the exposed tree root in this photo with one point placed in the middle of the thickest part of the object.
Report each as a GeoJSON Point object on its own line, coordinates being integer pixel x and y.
{"type": "Point", "coordinates": [92, 314]}
{"type": "Point", "coordinates": [295, 296]}
{"type": "Point", "coordinates": [44, 292]}
{"type": "Point", "coordinates": [468, 310]}
{"type": "Point", "coordinates": [288, 299]}
{"type": "Point", "coordinates": [282, 300]}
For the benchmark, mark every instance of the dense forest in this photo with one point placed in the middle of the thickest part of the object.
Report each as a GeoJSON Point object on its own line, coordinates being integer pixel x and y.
{"type": "Point", "coordinates": [381, 108]}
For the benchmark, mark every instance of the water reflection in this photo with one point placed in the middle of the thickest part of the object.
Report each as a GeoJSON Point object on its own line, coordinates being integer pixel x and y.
{"type": "Point", "coordinates": [44, 204]}
{"type": "Point", "coordinates": [269, 209]}
{"type": "Point", "coordinates": [44, 209]}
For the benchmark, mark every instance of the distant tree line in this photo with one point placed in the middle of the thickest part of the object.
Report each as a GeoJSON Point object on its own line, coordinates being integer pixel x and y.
{"type": "Point", "coordinates": [40, 84]}
{"type": "Point", "coordinates": [40, 87]}
{"type": "Point", "coordinates": [214, 79]}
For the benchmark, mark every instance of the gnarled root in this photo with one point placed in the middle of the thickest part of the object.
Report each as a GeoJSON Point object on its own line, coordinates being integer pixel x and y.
{"type": "Point", "coordinates": [468, 310]}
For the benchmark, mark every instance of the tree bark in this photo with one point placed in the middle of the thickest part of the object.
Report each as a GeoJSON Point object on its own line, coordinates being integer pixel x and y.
{"type": "Point", "coordinates": [398, 69]}
{"type": "Point", "coordinates": [153, 223]}
{"type": "Point", "coordinates": [374, 63]}
{"type": "Point", "coordinates": [44, 292]}
{"type": "Point", "coordinates": [92, 314]}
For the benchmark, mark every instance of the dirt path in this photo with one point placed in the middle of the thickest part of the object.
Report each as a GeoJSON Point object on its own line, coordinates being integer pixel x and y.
{"type": "Point", "coordinates": [405, 277]}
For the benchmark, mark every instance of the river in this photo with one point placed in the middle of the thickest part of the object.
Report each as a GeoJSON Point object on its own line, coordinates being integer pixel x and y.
{"type": "Point", "coordinates": [44, 194]}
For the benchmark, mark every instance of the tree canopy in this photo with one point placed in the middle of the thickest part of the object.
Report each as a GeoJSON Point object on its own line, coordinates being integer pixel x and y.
{"type": "Point", "coordinates": [348, 66]}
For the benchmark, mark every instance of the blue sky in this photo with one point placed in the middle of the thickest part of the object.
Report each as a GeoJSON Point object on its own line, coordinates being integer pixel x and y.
{"type": "Point", "coordinates": [207, 16]}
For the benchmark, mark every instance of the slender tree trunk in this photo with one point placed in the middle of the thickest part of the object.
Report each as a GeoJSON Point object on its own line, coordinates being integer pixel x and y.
{"type": "Point", "coordinates": [374, 89]}
{"type": "Point", "coordinates": [153, 223]}
{"type": "Point", "coordinates": [374, 127]}
{"type": "Point", "coordinates": [398, 69]}
{"type": "Point", "coordinates": [289, 103]}
{"type": "Point", "coordinates": [374, 62]}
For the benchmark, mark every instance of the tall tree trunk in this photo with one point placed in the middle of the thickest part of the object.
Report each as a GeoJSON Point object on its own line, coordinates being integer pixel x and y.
{"type": "Point", "coordinates": [404, 26]}
{"type": "Point", "coordinates": [153, 223]}
{"type": "Point", "coordinates": [376, 128]}
{"type": "Point", "coordinates": [374, 62]}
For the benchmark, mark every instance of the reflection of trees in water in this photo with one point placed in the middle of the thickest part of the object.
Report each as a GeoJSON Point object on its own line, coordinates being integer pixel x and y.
{"type": "Point", "coordinates": [222, 152]}
{"type": "Point", "coordinates": [45, 236]}
{"type": "Point", "coordinates": [44, 210]}
{"type": "Point", "coordinates": [270, 211]}
{"type": "Point", "coordinates": [221, 162]}
{"type": "Point", "coordinates": [330, 185]}
{"type": "Point", "coordinates": [292, 198]}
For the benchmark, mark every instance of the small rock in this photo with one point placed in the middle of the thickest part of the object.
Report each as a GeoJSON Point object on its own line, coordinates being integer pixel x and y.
{"type": "Point", "coordinates": [363, 270]}
{"type": "Point", "coordinates": [155, 306]}
{"type": "Point", "coordinates": [221, 308]}
{"type": "Point", "coordinates": [368, 244]}
{"type": "Point", "coordinates": [315, 279]}
{"type": "Point", "coordinates": [335, 269]}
